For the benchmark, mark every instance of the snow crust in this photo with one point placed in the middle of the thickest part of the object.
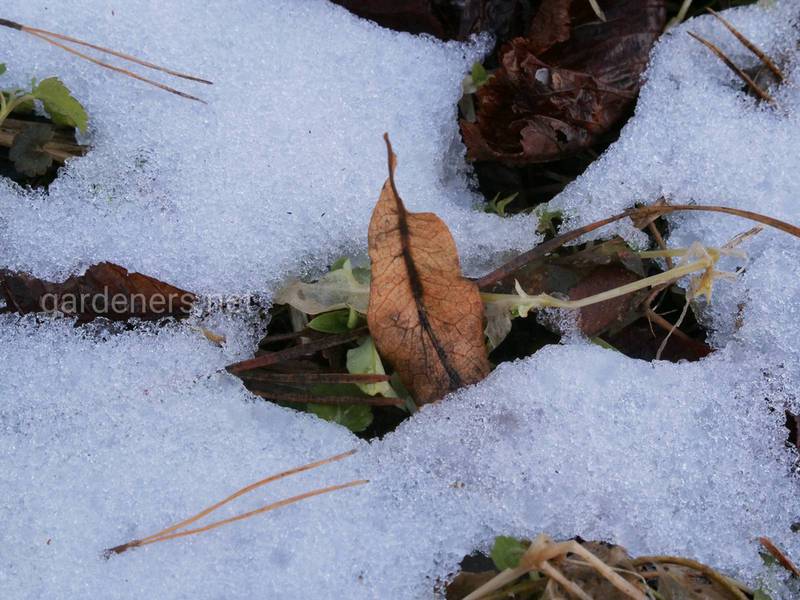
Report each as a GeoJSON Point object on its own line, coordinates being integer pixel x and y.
{"type": "Point", "coordinates": [108, 436]}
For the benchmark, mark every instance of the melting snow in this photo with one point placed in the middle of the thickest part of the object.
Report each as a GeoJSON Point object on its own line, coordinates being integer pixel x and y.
{"type": "Point", "coordinates": [106, 437]}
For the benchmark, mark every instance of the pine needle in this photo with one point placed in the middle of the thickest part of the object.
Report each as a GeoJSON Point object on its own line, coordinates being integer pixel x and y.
{"type": "Point", "coordinates": [52, 38]}
{"type": "Point", "coordinates": [168, 533]}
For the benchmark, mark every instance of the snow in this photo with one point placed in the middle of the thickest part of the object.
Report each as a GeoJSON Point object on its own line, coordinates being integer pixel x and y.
{"type": "Point", "coordinates": [109, 435]}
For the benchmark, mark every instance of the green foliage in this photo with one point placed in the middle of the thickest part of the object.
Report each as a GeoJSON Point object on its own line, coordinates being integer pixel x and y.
{"type": "Point", "coordinates": [760, 594]}
{"type": "Point", "coordinates": [479, 75]}
{"type": "Point", "coordinates": [498, 205]}
{"type": "Point", "coordinates": [356, 417]}
{"type": "Point", "coordinates": [55, 98]}
{"type": "Point", "coordinates": [60, 104]}
{"type": "Point", "coordinates": [26, 151]}
{"type": "Point", "coordinates": [548, 221]}
{"type": "Point", "coordinates": [506, 552]}
{"type": "Point", "coordinates": [337, 321]}
{"type": "Point", "coordinates": [364, 360]}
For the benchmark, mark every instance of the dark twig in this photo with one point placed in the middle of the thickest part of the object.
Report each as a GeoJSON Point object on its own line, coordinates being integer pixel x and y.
{"type": "Point", "coordinates": [272, 358]}
{"type": "Point", "coordinates": [328, 400]}
{"type": "Point", "coordinates": [732, 66]}
{"type": "Point", "coordinates": [306, 378]}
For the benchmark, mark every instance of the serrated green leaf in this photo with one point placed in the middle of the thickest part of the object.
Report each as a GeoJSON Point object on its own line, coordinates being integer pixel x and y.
{"type": "Point", "coordinates": [364, 360]}
{"type": "Point", "coordinates": [26, 151]}
{"type": "Point", "coordinates": [356, 417]}
{"type": "Point", "coordinates": [60, 105]}
{"type": "Point", "coordinates": [506, 552]}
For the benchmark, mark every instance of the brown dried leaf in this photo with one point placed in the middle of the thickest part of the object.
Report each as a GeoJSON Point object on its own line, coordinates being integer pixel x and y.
{"type": "Point", "coordinates": [444, 19]}
{"type": "Point", "coordinates": [563, 87]}
{"type": "Point", "coordinates": [426, 319]}
{"type": "Point", "coordinates": [105, 290]}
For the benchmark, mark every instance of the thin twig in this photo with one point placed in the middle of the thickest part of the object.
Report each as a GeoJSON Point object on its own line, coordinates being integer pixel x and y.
{"type": "Point", "coordinates": [651, 226]}
{"type": "Point", "coordinates": [750, 46]}
{"type": "Point", "coordinates": [272, 358]}
{"type": "Point", "coordinates": [754, 87]}
{"type": "Point", "coordinates": [306, 378]}
{"type": "Point", "coordinates": [327, 400]}
{"type": "Point", "coordinates": [555, 243]}
{"type": "Point", "coordinates": [709, 573]}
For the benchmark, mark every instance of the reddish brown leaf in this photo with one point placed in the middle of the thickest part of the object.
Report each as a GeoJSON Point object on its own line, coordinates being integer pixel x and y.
{"type": "Point", "coordinates": [425, 317]}
{"type": "Point", "coordinates": [565, 85]}
{"type": "Point", "coordinates": [105, 290]}
{"type": "Point", "coordinates": [597, 318]}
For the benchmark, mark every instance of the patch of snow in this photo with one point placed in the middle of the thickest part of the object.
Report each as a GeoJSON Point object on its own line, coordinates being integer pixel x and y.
{"type": "Point", "coordinates": [104, 438]}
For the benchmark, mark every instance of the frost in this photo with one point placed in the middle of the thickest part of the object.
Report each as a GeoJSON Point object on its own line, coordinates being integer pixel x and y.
{"type": "Point", "coordinates": [108, 436]}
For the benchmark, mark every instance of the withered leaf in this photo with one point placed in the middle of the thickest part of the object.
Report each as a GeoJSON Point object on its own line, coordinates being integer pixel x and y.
{"type": "Point", "coordinates": [425, 318]}
{"type": "Point", "coordinates": [444, 19]}
{"type": "Point", "coordinates": [566, 84]}
{"type": "Point", "coordinates": [105, 290]}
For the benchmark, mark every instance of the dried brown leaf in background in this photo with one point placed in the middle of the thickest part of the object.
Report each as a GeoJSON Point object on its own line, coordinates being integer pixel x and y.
{"type": "Point", "coordinates": [105, 290]}
{"type": "Point", "coordinates": [567, 83]}
{"type": "Point", "coordinates": [426, 319]}
{"type": "Point", "coordinates": [445, 19]}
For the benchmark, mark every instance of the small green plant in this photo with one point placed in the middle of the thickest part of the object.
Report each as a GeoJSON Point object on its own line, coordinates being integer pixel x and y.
{"type": "Point", "coordinates": [54, 98]}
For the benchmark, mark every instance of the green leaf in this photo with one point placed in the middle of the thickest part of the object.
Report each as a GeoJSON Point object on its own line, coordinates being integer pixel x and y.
{"type": "Point", "coordinates": [26, 151]}
{"type": "Point", "coordinates": [479, 75]}
{"type": "Point", "coordinates": [331, 322]}
{"type": "Point", "coordinates": [356, 417]}
{"type": "Point", "coordinates": [60, 105]}
{"type": "Point", "coordinates": [497, 205]}
{"type": "Point", "coordinates": [548, 220]}
{"type": "Point", "coordinates": [364, 360]}
{"type": "Point", "coordinates": [2, 68]}
{"type": "Point", "coordinates": [340, 288]}
{"type": "Point", "coordinates": [506, 552]}
{"type": "Point", "coordinates": [760, 594]}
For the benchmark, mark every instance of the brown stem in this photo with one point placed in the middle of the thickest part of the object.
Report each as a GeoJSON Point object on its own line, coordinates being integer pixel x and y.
{"type": "Point", "coordinates": [59, 149]}
{"type": "Point", "coordinates": [271, 358]}
{"type": "Point", "coordinates": [553, 244]}
{"type": "Point", "coordinates": [330, 400]}
{"type": "Point", "coordinates": [306, 378]}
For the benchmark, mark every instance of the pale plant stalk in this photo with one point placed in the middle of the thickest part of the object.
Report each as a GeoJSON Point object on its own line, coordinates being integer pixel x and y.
{"type": "Point", "coordinates": [526, 303]}
{"type": "Point", "coordinates": [597, 10]}
{"type": "Point", "coordinates": [7, 107]}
